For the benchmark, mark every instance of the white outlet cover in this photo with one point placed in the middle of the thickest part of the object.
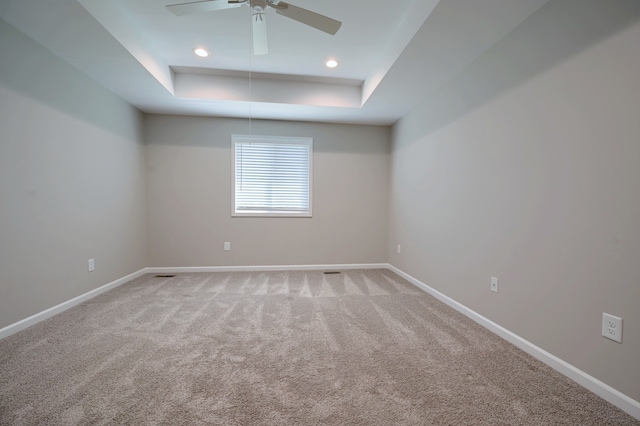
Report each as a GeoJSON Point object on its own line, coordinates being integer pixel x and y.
{"type": "Point", "coordinates": [91, 265]}
{"type": "Point", "coordinates": [227, 246]}
{"type": "Point", "coordinates": [612, 327]}
{"type": "Point", "coordinates": [494, 284]}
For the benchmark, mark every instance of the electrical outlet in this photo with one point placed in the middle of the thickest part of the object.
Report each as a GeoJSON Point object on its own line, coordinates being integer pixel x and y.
{"type": "Point", "coordinates": [494, 284]}
{"type": "Point", "coordinates": [91, 265]}
{"type": "Point", "coordinates": [612, 327]}
{"type": "Point", "coordinates": [227, 246]}
{"type": "Point", "coordinates": [399, 249]}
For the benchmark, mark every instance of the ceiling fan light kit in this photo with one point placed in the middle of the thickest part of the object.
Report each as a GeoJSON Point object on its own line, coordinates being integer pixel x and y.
{"type": "Point", "coordinates": [258, 16]}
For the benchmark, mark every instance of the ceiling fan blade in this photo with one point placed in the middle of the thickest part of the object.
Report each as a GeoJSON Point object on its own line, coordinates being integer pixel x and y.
{"type": "Point", "coordinates": [313, 19]}
{"type": "Point", "coordinates": [203, 6]}
{"type": "Point", "coordinates": [259, 29]}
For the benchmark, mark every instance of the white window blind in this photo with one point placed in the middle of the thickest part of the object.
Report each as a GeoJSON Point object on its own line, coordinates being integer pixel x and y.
{"type": "Point", "coordinates": [272, 176]}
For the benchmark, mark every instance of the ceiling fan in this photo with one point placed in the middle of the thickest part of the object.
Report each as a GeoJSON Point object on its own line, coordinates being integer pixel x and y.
{"type": "Point", "coordinates": [258, 16]}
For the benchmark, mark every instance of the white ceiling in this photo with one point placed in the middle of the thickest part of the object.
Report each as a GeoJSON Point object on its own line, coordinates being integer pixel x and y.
{"type": "Point", "coordinates": [393, 54]}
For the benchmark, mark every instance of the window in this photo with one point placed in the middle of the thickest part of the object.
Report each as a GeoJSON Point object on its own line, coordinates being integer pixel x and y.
{"type": "Point", "coordinates": [272, 176]}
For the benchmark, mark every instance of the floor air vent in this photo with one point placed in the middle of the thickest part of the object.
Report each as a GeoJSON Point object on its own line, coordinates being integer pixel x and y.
{"type": "Point", "coordinates": [165, 276]}
{"type": "Point", "coordinates": [331, 272]}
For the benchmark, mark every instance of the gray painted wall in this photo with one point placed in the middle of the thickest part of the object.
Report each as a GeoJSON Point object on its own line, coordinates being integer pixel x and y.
{"type": "Point", "coordinates": [71, 181]}
{"type": "Point", "coordinates": [189, 196]}
{"type": "Point", "coordinates": [539, 187]}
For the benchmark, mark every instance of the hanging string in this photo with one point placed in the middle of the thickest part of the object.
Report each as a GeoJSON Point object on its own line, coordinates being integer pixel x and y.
{"type": "Point", "coordinates": [250, 65]}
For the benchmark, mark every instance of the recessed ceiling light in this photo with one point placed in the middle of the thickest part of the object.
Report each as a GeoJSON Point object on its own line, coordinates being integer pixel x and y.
{"type": "Point", "coordinates": [201, 52]}
{"type": "Point", "coordinates": [331, 63]}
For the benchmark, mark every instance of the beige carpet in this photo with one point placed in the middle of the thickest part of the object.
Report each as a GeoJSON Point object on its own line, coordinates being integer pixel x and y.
{"type": "Point", "coordinates": [279, 348]}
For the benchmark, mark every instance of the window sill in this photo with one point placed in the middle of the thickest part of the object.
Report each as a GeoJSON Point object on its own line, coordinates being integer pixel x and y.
{"type": "Point", "coordinates": [265, 214]}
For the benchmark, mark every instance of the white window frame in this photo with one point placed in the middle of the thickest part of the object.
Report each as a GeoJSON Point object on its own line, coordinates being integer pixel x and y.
{"type": "Point", "coordinates": [236, 139]}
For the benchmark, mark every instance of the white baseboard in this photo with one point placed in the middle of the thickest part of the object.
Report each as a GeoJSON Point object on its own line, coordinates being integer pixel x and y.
{"type": "Point", "coordinates": [48, 313]}
{"type": "Point", "coordinates": [264, 268]}
{"type": "Point", "coordinates": [596, 386]}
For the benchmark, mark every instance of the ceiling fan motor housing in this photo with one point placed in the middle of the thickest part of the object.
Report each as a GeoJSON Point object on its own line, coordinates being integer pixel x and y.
{"type": "Point", "coordinates": [258, 6]}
